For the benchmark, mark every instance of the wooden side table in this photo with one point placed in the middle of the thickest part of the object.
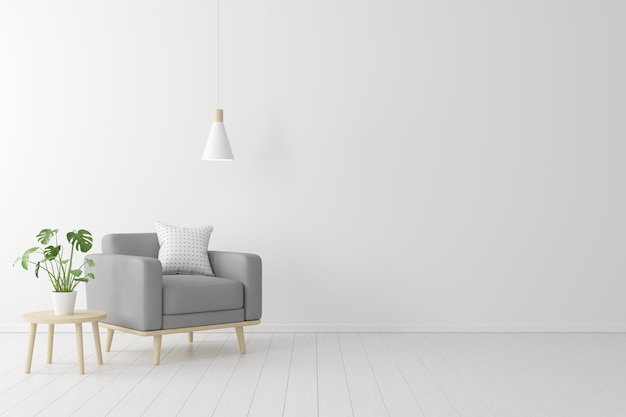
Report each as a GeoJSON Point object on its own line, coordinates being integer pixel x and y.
{"type": "Point", "coordinates": [78, 318]}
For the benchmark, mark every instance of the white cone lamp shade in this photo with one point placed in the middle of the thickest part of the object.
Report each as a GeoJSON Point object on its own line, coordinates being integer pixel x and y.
{"type": "Point", "coordinates": [217, 146]}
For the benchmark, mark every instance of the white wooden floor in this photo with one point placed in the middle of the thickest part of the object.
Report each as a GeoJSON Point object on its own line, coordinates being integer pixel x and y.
{"type": "Point", "coordinates": [323, 374]}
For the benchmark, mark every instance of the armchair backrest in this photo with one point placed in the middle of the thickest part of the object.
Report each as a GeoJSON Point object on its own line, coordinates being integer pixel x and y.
{"type": "Point", "coordinates": [135, 244]}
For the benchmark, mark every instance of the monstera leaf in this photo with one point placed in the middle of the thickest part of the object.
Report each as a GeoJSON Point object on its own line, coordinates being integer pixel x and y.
{"type": "Point", "coordinates": [45, 236]}
{"type": "Point", "coordinates": [25, 258]}
{"type": "Point", "coordinates": [51, 252]}
{"type": "Point", "coordinates": [81, 240]}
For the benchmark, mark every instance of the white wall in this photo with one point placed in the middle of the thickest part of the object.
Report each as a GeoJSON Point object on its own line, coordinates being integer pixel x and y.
{"type": "Point", "coordinates": [400, 165]}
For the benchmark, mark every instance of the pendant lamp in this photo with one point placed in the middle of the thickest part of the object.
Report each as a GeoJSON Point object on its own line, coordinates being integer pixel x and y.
{"type": "Point", "coordinates": [217, 146]}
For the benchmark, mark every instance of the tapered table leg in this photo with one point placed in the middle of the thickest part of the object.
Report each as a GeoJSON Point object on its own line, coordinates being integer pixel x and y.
{"type": "Point", "coordinates": [79, 348]}
{"type": "Point", "coordinates": [96, 341]}
{"type": "Point", "coordinates": [50, 341]}
{"type": "Point", "coordinates": [110, 333]}
{"type": "Point", "coordinates": [31, 346]}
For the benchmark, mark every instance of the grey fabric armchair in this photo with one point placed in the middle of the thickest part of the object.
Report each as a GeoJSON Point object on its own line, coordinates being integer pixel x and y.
{"type": "Point", "coordinates": [131, 288]}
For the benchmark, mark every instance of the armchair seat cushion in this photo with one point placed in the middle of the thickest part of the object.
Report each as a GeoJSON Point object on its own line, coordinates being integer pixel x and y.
{"type": "Point", "coordinates": [184, 294]}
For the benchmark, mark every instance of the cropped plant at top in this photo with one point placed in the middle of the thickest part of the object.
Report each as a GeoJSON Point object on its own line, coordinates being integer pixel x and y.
{"type": "Point", "coordinates": [61, 271]}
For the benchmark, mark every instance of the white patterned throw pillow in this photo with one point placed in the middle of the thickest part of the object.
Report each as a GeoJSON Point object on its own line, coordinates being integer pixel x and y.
{"type": "Point", "coordinates": [183, 250]}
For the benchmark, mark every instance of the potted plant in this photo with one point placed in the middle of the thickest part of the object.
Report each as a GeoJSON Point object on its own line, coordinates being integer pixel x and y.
{"type": "Point", "coordinates": [60, 267]}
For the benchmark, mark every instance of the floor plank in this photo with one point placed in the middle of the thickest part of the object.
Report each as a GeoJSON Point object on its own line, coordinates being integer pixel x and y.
{"type": "Point", "coordinates": [173, 396]}
{"type": "Point", "coordinates": [269, 397]}
{"type": "Point", "coordinates": [334, 395]}
{"type": "Point", "coordinates": [397, 396]}
{"type": "Point", "coordinates": [205, 396]}
{"type": "Point", "coordinates": [501, 401]}
{"type": "Point", "coordinates": [301, 395]}
{"type": "Point", "coordinates": [459, 392]}
{"type": "Point", "coordinates": [503, 365]}
{"type": "Point", "coordinates": [429, 395]}
{"type": "Point", "coordinates": [366, 396]}
{"type": "Point", "coordinates": [551, 381]}
{"type": "Point", "coordinates": [237, 397]}
{"type": "Point", "coordinates": [590, 386]}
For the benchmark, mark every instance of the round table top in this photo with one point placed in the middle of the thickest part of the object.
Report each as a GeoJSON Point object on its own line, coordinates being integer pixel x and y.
{"type": "Point", "coordinates": [48, 317]}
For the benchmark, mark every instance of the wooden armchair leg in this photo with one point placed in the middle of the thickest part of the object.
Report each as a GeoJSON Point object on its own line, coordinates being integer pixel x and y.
{"type": "Point", "coordinates": [109, 339]}
{"type": "Point", "coordinates": [190, 337]}
{"type": "Point", "coordinates": [157, 349]}
{"type": "Point", "coordinates": [240, 339]}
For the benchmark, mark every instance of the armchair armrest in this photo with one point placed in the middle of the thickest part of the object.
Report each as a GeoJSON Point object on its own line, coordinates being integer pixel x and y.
{"type": "Point", "coordinates": [245, 268]}
{"type": "Point", "coordinates": [128, 288]}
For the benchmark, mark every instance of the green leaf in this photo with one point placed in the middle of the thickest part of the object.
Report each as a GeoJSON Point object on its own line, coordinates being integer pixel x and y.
{"type": "Point", "coordinates": [81, 240]}
{"type": "Point", "coordinates": [80, 279]}
{"type": "Point", "coordinates": [51, 252]}
{"type": "Point", "coordinates": [76, 272]}
{"type": "Point", "coordinates": [91, 275]}
{"type": "Point", "coordinates": [90, 262]}
{"type": "Point", "coordinates": [46, 235]}
{"type": "Point", "coordinates": [37, 269]}
{"type": "Point", "coordinates": [26, 257]}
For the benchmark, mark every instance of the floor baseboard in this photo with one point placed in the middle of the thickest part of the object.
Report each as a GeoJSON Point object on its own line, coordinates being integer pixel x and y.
{"type": "Point", "coordinates": [437, 328]}
{"type": "Point", "coordinates": [382, 328]}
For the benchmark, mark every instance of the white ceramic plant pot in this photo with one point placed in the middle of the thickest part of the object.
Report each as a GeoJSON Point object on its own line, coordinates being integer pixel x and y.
{"type": "Point", "coordinates": [63, 303]}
